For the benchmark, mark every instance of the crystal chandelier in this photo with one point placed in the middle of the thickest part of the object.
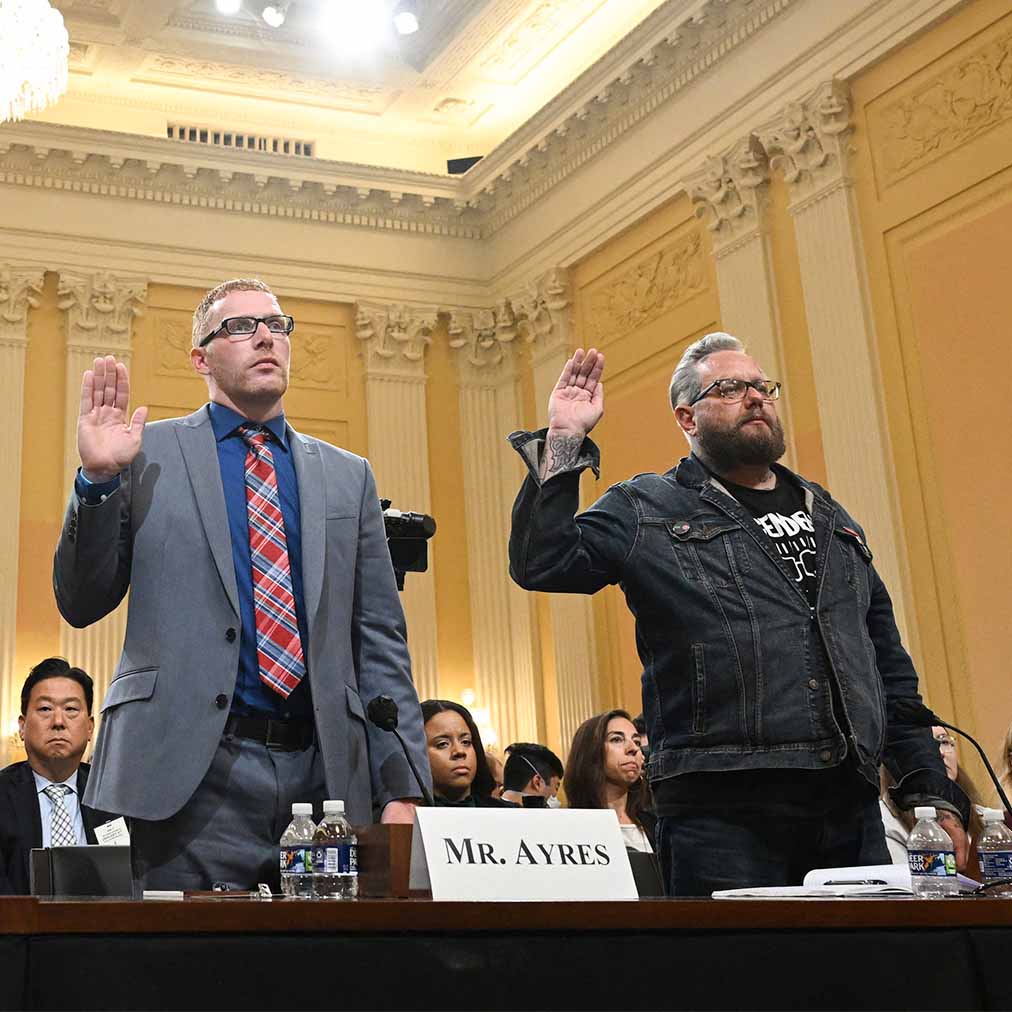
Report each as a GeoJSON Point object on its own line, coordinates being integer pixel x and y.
{"type": "Point", "coordinates": [34, 49]}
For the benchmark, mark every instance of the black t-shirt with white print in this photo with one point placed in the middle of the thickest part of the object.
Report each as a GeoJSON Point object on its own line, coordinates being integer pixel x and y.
{"type": "Point", "coordinates": [781, 513]}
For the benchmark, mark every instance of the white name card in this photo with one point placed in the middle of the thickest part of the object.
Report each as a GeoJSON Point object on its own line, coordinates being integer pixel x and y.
{"type": "Point", "coordinates": [113, 833]}
{"type": "Point", "coordinates": [498, 854]}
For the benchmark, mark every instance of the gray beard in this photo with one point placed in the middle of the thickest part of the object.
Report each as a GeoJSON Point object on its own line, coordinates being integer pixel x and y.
{"type": "Point", "coordinates": [727, 449]}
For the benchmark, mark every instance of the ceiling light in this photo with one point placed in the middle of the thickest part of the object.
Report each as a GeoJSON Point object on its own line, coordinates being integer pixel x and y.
{"type": "Point", "coordinates": [274, 14]}
{"type": "Point", "coordinates": [228, 6]}
{"type": "Point", "coordinates": [406, 18]}
{"type": "Point", "coordinates": [34, 49]}
{"type": "Point", "coordinates": [356, 26]}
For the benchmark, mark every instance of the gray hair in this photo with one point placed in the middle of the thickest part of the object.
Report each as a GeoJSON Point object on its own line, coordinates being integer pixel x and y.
{"type": "Point", "coordinates": [685, 386]}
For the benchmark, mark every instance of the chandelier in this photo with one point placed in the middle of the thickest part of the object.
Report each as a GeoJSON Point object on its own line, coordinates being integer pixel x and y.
{"type": "Point", "coordinates": [34, 49]}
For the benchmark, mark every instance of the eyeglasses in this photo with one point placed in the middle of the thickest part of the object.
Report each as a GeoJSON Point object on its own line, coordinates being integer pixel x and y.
{"type": "Point", "coordinates": [242, 328]}
{"type": "Point", "coordinates": [734, 389]}
{"type": "Point", "coordinates": [945, 743]}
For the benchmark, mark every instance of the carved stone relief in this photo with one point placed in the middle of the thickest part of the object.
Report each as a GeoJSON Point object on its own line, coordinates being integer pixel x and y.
{"type": "Point", "coordinates": [100, 309]}
{"type": "Point", "coordinates": [395, 337]}
{"type": "Point", "coordinates": [173, 339]}
{"type": "Point", "coordinates": [646, 291]}
{"type": "Point", "coordinates": [955, 106]}
{"type": "Point", "coordinates": [20, 287]}
{"type": "Point", "coordinates": [314, 359]}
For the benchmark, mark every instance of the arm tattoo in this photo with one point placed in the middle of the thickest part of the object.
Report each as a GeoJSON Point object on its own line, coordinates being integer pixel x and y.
{"type": "Point", "coordinates": [563, 452]}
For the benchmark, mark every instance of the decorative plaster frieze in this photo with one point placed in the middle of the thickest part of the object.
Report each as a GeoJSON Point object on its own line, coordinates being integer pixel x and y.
{"type": "Point", "coordinates": [730, 192]}
{"type": "Point", "coordinates": [810, 142]}
{"type": "Point", "coordinates": [100, 310]}
{"type": "Point", "coordinates": [395, 337]}
{"type": "Point", "coordinates": [20, 288]}
{"type": "Point", "coordinates": [646, 290]}
{"type": "Point", "coordinates": [945, 111]}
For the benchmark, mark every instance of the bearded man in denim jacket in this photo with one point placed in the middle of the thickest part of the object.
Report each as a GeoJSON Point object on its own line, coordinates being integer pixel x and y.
{"type": "Point", "coordinates": [771, 659]}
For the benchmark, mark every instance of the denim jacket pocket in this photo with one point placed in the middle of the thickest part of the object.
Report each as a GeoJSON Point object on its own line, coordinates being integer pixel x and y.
{"type": "Point", "coordinates": [692, 541]}
{"type": "Point", "coordinates": [856, 556]}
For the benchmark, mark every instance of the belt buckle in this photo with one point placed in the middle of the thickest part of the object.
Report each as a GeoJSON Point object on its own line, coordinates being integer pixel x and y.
{"type": "Point", "coordinates": [272, 742]}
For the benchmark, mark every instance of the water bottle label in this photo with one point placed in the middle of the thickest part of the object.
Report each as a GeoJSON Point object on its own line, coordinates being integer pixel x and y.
{"type": "Point", "coordinates": [339, 859]}
{"type": "Point", "coordinates": [296, 860]}
{"type": "Point", "coordinates": [996, 864]}
{"type": "Point", "coordinates": [938, 864]}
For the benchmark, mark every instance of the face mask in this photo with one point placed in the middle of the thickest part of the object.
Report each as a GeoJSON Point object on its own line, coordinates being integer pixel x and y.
{"type": "Point", "coordinates": [553, 803]}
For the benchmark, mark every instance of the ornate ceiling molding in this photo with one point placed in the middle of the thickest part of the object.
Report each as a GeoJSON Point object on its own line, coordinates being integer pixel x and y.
{"type": "Point", "coordinates": [810, 141]}
{"type": "Point", "coordinates": [100, 310]}
{"type": "Point", "coordinates": [20, 288]}
{"type": "Point", "coordinates": [730, 193]}
{"type": "Point", "coordinates": [668, 52]}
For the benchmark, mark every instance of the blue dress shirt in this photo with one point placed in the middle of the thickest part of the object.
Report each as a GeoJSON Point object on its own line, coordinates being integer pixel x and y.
{"type": "Point", "coordinates": [252, 697]}
{"type": "Point", "coordinates": [71, 802]}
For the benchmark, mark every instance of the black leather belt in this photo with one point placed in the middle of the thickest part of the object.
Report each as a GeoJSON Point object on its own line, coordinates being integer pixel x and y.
{"type": "Point", "coordinates": [287, 735]}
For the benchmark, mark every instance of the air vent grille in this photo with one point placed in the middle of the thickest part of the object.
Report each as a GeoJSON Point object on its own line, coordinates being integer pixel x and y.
{"type": "Point", "coordinates": [240, 140]}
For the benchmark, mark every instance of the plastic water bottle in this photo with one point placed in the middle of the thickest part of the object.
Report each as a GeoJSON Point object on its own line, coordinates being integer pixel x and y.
{"type": "Point", "coordinates": [295, 853]}
{"type": "Point", "coordinates": [995, 851]}
{"type": "Point", "coordinates": [931, 856]}
{"type": "Point", "coordinates": [335, 856]}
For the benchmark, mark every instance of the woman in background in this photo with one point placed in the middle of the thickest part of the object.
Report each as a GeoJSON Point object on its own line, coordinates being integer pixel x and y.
{"type": "Point", "coordinates": [460, 773]}
{"type": "Point", "coordinates": [605, 770]}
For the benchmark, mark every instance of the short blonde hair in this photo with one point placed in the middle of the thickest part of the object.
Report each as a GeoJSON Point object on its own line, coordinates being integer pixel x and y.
{"type": "Point", "coordinates": [203, 311]}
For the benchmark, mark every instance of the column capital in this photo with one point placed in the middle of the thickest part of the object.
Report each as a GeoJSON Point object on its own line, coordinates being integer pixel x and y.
{"type": "Point", "coordinates": [810, 141]}
{"type": "Point", "coordinates": [729, 192]}
{"type": "Point", "coordinates": [395, 337]}
{"type": "Point", "coordinates": [545, 307]}
{"type": "Point", "coordinates": [101, 308]}
{"type": "Point", "coordinates": [484, 342]}
{"type": "Point", "coordinates": [20, 287]}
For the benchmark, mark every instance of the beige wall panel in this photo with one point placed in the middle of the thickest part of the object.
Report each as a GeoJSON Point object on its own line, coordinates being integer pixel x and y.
{"type": "Point", "coordinates": [933, 149]}
{"type": "Point", "coordinates": [642, 298]}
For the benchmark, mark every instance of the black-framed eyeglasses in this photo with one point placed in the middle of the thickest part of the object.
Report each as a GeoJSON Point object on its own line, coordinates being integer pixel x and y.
{"type": "Point", "coordinates": [734, 389]}
{"type": "Point", "coordinates": [242, 328]}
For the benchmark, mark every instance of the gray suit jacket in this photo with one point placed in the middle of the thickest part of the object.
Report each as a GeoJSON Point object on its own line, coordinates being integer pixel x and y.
{"type": "Point", "coordinates": [164, 534]}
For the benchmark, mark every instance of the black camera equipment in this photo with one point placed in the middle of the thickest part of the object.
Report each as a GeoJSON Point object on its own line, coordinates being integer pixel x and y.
{"type": "Point", "coordinates": [407, 538]}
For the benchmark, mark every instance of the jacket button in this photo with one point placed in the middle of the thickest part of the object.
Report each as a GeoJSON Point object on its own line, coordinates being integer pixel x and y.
{"type": "Point", "coordinates": [812, 683]}
{"type": "Point", "coordinates": [230, 635]}
{"type": "Point", "coordinates": [221, 701]}
{"type": "Point", "coordinates": [825, 755]}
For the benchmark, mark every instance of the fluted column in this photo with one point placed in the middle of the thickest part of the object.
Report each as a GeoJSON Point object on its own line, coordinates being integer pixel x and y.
{"type": "Point", "coordinates": [394, 339]}
{"type": "Point", "coordinates": [810, 142]}
{"type": "Point", "coordinates": [502, 622]}
{"type": "Point", "coordinates": [547, 309]}
{"type": "Point", "coordinates": [100, 310]}
{"type": "Point", "coordinates": [20, 287]}
{"type": "Point", "coordinates": [731, 195]}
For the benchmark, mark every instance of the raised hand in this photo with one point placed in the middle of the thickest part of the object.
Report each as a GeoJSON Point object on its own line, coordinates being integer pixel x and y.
{"type": "Point", "coordinates": [574, 408]}
{"type": "Point", "coordinates": [107, 439]}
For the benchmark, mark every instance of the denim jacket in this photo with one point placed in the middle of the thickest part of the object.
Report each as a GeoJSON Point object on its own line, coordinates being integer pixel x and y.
{"type": "Point", "coordinates": [737, 665]}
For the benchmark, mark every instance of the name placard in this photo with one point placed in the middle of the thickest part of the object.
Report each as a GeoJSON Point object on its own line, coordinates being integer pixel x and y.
{"type": "Point", "coordinates": [497, 854]}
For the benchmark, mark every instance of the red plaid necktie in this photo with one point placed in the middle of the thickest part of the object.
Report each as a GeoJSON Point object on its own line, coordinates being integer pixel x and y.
{"type": "Point", "coordinates": [279, 648]}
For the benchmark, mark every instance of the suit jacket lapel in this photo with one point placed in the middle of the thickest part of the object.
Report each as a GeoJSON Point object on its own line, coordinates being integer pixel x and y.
{"type": "Point", "coordinates": [313, 521]}
{"type": "Point", "coordinates": [26, 802]}
{"type": "Point", "coordinates": [200, 454]}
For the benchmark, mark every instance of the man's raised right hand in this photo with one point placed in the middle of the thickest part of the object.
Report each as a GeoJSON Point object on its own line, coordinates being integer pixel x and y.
{"type": "Point", "coordinates": [106, 440]}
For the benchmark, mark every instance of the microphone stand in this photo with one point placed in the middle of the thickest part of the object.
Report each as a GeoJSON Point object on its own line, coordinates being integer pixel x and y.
{"type": "Point", "coordinates": [973, 741]}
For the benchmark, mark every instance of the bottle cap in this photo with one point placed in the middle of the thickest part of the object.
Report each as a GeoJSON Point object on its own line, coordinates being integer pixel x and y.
{"type": "Point", "coordinates": [992, 814]}
{"type": "Point", "coordinates": [302, 808]}
{"type": "Point", "coordinates": [921, 812]}
{"type": "Point", "coordinates": [333, 808]}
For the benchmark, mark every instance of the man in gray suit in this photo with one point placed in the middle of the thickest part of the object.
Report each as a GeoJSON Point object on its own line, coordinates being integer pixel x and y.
{"type": "Point", "coordinates": [263, 611]}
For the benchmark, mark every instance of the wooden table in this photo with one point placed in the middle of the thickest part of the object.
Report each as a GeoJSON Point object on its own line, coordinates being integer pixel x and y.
{"type": "Point", "coordinates": [228, 953]}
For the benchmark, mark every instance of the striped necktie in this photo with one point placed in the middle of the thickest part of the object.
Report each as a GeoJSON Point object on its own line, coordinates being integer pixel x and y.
{"type": "Point", "coordinates": [61, 832]}
{"type": "Point", "coordinates": [279, 648]}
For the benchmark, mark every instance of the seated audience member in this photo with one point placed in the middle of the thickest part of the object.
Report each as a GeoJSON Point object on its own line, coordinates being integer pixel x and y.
{"type": "Point", "coordinates": [495, 767]}
{"type": "Point", "coordinates": [460, 773]}
{"type": "Point", "coordinates": [1005, 772]}
{"type": "Point", "coordinates": [898, 823]}
{"type": "Point", "coordinates": [40, 799]}
{"type": "Point", "coordinates": [532, 771]}
{"type": "Point", "coordinates": [605, 770]}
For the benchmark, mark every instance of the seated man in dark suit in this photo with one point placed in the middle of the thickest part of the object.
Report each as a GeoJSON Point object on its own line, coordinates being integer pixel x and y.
{"type": "Point", "coordinates": [40, 800]}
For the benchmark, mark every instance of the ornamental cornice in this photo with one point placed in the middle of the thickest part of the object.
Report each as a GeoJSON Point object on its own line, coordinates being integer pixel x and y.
{"type": "Point", "coordinates": [100, 309]}
{"type": "Point", "coordinates": [730, 193]}
{"type": "Point", "coordinates": [810, 141]}
{"type": "Point", "coordinates": [20, 288]}
{"type": "Point", "coordinates": [665, 54]}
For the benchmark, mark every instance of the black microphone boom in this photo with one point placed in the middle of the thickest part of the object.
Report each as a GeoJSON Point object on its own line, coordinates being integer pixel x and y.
{"type": "Point", "coordinates": [382, 711]}
{"type": "Point", "coordinates": [910, 711]}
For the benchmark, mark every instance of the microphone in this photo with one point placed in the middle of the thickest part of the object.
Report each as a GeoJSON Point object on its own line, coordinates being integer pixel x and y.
{"type": "Point", "coordinates": [910, 711]}
{"type": "Point", "coordinates": [382, 711]}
